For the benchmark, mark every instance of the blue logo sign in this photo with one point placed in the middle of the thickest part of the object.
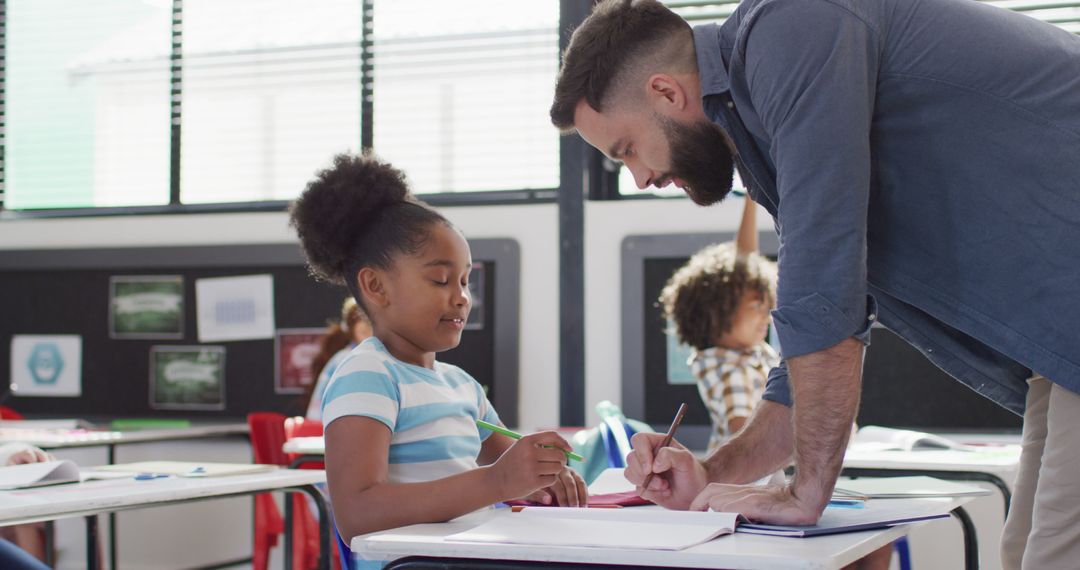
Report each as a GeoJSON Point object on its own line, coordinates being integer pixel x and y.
{"type": "Point", "coordinates": [45, 363]}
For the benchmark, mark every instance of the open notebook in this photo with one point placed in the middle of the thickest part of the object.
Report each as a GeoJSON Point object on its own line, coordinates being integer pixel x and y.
{"type": "Point", "coordinates": [877, 438]}
{"type": "Point", "coordinates": [641, 528]}
{"type": "Point", "coordinates": [38, 474]}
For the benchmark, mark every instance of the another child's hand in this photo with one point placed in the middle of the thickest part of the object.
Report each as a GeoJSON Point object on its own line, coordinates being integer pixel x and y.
{"type": "Point", "coordinates": [534, 462]}
{"type": "Point", "coordinates": [31, 455]}
{"type": "Point", "coordinates": [569, 490]}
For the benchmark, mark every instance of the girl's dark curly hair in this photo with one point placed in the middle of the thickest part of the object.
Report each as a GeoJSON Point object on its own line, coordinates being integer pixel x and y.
{"type": "Point", "coordinates": [359, 213]}
{"type": "Point", "coordinates": [702, 296]}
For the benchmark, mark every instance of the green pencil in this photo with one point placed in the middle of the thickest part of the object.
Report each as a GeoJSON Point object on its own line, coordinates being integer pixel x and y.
{"type": "Point", "coordinates": [516, 435]}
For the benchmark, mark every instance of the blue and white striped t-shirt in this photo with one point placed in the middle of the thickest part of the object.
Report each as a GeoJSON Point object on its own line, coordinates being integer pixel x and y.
{"type": "Point", "coordinates": [432, 413]}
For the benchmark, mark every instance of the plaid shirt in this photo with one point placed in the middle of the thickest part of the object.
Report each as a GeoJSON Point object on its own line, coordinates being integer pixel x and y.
{"type": "Point", "coordinates": [730, 383]}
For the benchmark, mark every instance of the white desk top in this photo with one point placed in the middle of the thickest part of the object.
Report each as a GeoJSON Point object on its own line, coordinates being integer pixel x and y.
{"type": "Point", "coordinates": [95, 497]}
{"type": "Point", "coordinates": [61, 438]}
{"type": "Point", "coordinates": [736, 551]}
{"type": "Point", "coordinates": [305, 446]}
{"type": "Point", "coordinates": [1002, 461]}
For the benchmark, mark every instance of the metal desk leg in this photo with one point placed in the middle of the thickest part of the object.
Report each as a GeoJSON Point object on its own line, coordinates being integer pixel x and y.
{"type": "Point", "coordinates": [50, 544]}
{"type": "Point", "coordinates": [290, 522]}
{"type": "Point", "coordinates": [93, 557]}
{"type": "Point", "coordinates": [971, 542]}
{"type": "Point", "coordinates": [299, 461]}
{"type": "Point", "coordinates": [112, 517]}
{"type": "Point", "coordinates": [324, 525]}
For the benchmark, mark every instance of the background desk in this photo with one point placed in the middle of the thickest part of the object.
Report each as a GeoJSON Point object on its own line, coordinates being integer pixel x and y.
{"type": "Point", "coordinates": [991, 467]}
{"type": "Point", "coordinates": [92, 498]}
{"type": "Point", "coordinates": [737, 551]}
{"type": "Point", "coordinates": [67, 438]}
{"type": "Point", "coordinates": [310, 449]}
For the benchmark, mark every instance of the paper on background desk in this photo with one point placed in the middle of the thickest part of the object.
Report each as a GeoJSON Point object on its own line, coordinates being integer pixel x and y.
{"type": "Point", "coordinates": [908, 488]}
{"type": "Point", "coordinates": [187, 469]}
{"type": "Point", "coordinates": [37, 474]}
{"type": "Point", "coordinates": [637, 528]}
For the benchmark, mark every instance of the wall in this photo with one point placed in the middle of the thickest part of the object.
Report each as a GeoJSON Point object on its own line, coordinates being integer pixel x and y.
{"type": "Point", "coordinates": [533, 226]}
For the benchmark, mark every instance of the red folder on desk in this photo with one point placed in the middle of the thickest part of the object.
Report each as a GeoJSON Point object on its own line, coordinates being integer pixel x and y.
{"type": "Point", "coordinates": [623, 499]}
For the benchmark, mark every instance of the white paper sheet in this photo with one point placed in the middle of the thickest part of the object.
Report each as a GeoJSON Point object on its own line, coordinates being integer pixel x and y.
{"type": "Point", "coordinates": [36, 474]}
{"type": "Point", "coordinates": [235, 308]}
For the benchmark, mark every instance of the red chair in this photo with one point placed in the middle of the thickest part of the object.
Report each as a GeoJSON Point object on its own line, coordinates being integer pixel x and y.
{"type": "Point", "coordinates": [299, 426]}
{"type": "Point", "coordinates": [7, 413]}
{"type": "Point", "coordinates": [267, 437]}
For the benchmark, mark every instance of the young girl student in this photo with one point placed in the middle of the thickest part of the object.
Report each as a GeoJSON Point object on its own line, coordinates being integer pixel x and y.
{"type": "Point", "coordinates": [402, 443]}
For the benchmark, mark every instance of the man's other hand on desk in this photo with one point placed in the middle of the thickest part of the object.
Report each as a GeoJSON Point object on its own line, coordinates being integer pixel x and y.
{"type": "Point", "coordinates": [769, 504]}
{"type": "Point", "coordinates": [679, 476]}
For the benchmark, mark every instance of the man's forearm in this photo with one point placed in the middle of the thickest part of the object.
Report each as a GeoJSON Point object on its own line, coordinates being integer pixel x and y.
{"type": "Point", "coordinates": [762, 447]}
{"type": "Point", "coordinates": [825, 388]}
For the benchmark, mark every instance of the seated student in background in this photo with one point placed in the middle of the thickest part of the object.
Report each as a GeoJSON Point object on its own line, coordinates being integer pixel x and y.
{"type": "Point", "coordinates": [719, 303]}
{"type": "Point", "coordinates": [340, 338]}
{"type": "Point", "coordinates": [402, 445]}
{"type": "Point", "coordinates": [18, 542]}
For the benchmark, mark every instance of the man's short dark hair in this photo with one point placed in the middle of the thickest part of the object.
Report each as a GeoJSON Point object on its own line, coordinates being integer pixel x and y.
{"type": "Point", "coordinates": [620, 40]}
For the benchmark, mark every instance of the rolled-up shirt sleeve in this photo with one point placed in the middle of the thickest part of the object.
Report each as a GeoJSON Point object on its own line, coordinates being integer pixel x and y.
{"type": "Point", "coordinates": [778, 387]}
{"type": "Point", "coordinates": [815, 94]}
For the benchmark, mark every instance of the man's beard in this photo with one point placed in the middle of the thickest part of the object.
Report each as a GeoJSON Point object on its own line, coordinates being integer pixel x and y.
{"type": "Point", "coordinates": [700, 157]}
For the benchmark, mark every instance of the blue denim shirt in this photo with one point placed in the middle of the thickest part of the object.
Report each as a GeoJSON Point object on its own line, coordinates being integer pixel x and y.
{"type": "Point", "coordinates": [921, 159]}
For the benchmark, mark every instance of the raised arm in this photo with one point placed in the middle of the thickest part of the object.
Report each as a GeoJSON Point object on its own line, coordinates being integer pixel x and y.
{"type": "Point", "coordinates": [746, 241]}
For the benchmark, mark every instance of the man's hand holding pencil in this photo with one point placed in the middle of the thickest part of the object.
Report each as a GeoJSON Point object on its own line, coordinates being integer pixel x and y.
{"type": "Point", "coordinates": [663, 470]}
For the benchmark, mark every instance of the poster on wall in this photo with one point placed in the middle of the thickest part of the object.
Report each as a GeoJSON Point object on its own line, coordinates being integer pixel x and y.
{"type": "Point", "coordinates": [235, 308]}
{"type": "Point", "coordinates": [187, 377]}
{"type": "Point", "coordinates": [146, 307]}
{"type": "Point", "coordinates": [46, 365]}
{"type": "Point", "coordinates": [476, 291]}
{"type": "Point", "coordinates": [294, 351]}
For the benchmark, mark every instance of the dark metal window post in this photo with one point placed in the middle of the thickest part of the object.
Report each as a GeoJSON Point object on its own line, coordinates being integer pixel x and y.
{"type": "Point", "coordinates": [574, 169]}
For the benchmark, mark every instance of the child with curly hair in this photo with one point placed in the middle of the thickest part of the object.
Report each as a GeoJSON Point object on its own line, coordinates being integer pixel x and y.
{"type": "Point", "coordinates": [402, 443]}
{"type": "Point", "coordinates": [719, 302]}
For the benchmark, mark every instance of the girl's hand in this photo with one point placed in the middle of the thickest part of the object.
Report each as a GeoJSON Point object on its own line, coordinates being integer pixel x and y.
{"type": "Point", "coordinates": [568, 491]}
{"type": "Point", "coordinates": [32, 455]}
{"type": "Point", "coordinates": [534, 462]}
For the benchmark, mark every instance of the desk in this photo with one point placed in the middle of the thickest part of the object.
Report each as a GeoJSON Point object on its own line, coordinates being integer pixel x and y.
{"type": "Point", "coordinates": [92, 498]}
{"type": "Point", "coordinates": [737, 551]}
{"type": "Point", "coordinates": [997, 466]}
{"type": "Point", "coordinates": [310, 449]}
{"type": "Point", "coordinates": [65, 438]}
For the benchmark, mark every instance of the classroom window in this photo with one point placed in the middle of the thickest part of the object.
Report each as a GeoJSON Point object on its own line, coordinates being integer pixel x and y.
{"type": "Point", "coordinates": [87, 118]}
{"type": "Point", "coordinates": [271, 91]}
{"type": "Point", "coordinates": [462, 91]}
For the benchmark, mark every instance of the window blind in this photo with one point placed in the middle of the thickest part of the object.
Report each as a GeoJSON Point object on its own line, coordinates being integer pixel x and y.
{"type": "Point", "coordinates": [86, 101]}
{"type": "Point", "coordinates": [462, 91]}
